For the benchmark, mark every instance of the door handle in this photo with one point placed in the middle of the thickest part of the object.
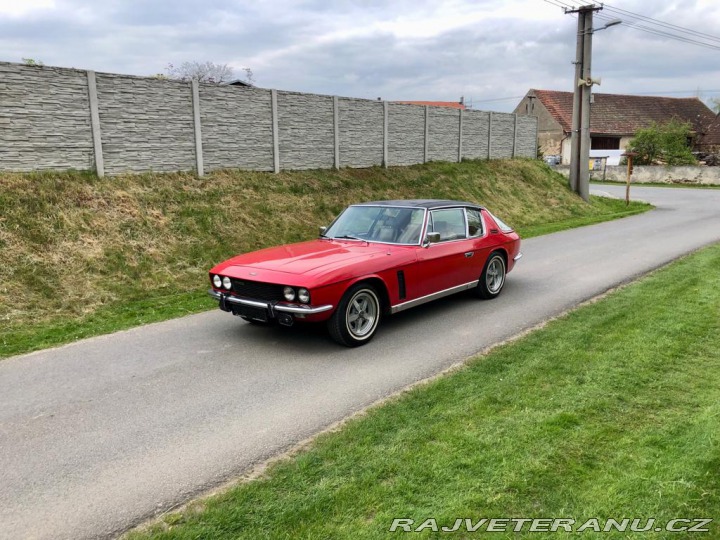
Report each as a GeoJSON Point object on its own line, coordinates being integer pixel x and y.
{"type": "Point", "coordinates": [469, 254]}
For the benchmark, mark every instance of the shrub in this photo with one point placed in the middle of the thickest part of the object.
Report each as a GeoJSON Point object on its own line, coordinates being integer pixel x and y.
{"type": "Point", "coordinates": [666, 144]}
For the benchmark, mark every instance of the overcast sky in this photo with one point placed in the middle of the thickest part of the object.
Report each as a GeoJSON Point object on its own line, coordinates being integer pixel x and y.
{"type": "Point", "coordinates": [397, 50]}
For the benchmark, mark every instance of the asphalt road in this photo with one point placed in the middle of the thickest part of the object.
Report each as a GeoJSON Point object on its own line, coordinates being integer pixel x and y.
{"type": "Point", "coordinates": [98, 435]}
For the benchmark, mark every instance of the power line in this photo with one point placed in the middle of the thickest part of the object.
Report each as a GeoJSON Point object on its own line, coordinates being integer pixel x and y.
{"type": "Point", "coordinates": [652, 26]}
{"type": "Point", "coordinates": [661, 33]}
{"type": "Point", "coordinates": [657, 22]}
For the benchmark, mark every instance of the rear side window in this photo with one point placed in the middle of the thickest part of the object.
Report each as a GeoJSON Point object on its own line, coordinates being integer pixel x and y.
{"type": "Point", "coordinates": [474, 222]}
{"type": "Point", "coordinates": [504, 227]}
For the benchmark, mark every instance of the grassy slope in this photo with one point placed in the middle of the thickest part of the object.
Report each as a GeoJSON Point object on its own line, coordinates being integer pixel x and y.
{"type": "Point", "coordinates": [611, 412]}
{"type": "Point", "coordinates": [84, 256]}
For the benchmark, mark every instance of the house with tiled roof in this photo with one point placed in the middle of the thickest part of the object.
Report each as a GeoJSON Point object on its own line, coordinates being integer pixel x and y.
{"type": "Point", "coordinates": [614, 119]}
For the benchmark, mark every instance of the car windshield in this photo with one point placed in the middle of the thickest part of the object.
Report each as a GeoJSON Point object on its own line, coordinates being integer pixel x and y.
{"type": "Point", "coordinates": [388, 224]}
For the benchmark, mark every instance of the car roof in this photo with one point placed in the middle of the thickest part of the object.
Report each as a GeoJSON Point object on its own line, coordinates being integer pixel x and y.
{"type": "Point", "coordinates": [430, 204]}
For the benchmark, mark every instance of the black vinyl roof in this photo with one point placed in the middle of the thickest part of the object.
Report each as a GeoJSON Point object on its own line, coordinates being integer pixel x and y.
{"type": "Point", "coordinates": [421, 203]}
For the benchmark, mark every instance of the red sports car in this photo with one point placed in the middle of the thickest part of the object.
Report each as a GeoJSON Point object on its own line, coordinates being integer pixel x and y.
{"type": "Point", "coordinates": [374, 259]}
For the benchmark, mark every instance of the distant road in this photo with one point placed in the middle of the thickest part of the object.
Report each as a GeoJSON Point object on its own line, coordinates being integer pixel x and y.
{"type": "Point", "coordinates": [101, 434]}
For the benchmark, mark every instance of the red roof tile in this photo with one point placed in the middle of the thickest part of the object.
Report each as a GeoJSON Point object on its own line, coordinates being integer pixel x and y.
{"type": "Point", "coordinates": [617, 114]}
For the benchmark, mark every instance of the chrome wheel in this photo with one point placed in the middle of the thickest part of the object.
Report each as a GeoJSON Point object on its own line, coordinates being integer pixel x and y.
{"type": "Point", "coordinates": [495, 275]}
{"type": "Point", "coordinates": [362, 314]}
{"type": "Point", "coordinates": [357, 316]}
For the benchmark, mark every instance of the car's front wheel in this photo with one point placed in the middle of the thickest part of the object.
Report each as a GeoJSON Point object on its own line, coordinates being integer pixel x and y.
{"type": "Point", "coordinates": [493, 276]}
{"type": "Point", "coordinates": [357, 316]}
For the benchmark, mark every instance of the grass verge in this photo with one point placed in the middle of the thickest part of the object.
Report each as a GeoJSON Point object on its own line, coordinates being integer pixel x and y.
{"type": "Point", "coordinates": [612, 411]}
{"type": "Point", "coordinates": [84, 256]}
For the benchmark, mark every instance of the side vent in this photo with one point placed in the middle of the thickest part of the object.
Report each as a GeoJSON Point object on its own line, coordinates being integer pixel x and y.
{"type": "Point", "coordinates": [401, 284]}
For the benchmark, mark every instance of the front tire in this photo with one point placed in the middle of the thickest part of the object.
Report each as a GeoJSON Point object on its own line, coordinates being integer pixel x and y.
{"type": "Point", "coordinates": [492, 279]}
{"type": "Point", "coordinates": [357, 316]}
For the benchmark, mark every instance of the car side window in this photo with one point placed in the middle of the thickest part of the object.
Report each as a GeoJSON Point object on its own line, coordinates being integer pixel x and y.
{"type": "Point", "coordinates": [474, 222]}
{"type": "Point", "coordinates": [449, 222]}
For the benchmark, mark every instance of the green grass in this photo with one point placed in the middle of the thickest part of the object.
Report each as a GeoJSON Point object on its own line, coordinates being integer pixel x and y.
{"type": "Point", "coordinates": [84, 256]}
{"type": "Point", "coordinates": [612, 411]}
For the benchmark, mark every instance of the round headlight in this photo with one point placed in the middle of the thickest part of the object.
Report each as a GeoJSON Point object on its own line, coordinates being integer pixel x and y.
{"type": "Point", "coordinates": [304, 296]}
{"type": "Point", "coordinates": [289, 294]}
{"type": "Point", "coordinates": [217, 281]}
{"type": "Point", "coordinates": [227, 283]}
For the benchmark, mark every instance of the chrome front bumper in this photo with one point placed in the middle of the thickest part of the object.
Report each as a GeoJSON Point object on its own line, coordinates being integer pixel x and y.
{"type": "Point", "coordinates": [294, 309]}
{"type": "Point", "coordinates": [517, 257]}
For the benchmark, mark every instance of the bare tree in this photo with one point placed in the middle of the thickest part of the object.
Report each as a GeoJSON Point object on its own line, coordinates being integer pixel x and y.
{"type": "Point", "coordinates": [205, 72]}
{"type": "Point", "coordinates": [249, 76]}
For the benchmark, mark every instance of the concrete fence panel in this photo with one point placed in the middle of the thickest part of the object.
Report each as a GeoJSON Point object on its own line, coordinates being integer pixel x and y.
{"type": "Point", "coordinates": [146, 124]}
{"type": "Point", "coordinates": [361, 132]}
{"type": "Point", "coordinates": [526, 139]}
{"type": "Point", "coordinates": [475, 134]}
{"type": "Point", "coordinates": [236, 127]}
{"type": "Point", "coordinates": [502, 136]}
{"type": "Point", "coordinates": [406, 131]}
{"type": "Point", "coordinates": [44, 119]}
{"type": "Point", "coordinates": [307, 137]}
{"type": "Point", "coordinates": [443, 133]}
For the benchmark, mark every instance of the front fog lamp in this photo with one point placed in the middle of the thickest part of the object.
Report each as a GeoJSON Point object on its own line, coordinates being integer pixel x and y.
{"type": "Point", "coordinates": [217, 281]}
{"type": "Point", "coordinates": [304, 296]}
{"type": "Point", "coordinates": [289, 294]}
{"type": "Point", "coordinates": [227, 283]}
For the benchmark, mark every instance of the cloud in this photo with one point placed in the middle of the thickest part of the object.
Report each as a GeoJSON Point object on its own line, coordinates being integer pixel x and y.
{"type": "Point", "coordinates": [396, 50]}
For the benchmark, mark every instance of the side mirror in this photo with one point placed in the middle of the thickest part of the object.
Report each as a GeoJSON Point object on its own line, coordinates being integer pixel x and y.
{"type": "Point", "coordinates": [322, 231]}
{"type": "Point", "coordinates": [431, 238]}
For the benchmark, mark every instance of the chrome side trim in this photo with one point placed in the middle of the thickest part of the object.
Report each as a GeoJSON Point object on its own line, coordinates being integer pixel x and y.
{"type": "Point", "coordinates": [304, 310]}
{"type": "Point", "coordinates": [517, 257]}
{"type": "Point", "coordinates": [265, 305]}
{"type": "Point", "coordinates": [434, 296]}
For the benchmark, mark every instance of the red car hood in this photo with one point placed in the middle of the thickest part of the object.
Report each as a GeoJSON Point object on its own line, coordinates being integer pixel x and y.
{"type": "Point", "coordinates": [310, 258]}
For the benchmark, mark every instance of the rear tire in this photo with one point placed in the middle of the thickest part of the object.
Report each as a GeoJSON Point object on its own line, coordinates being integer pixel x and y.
{"type": "Point", "coordinates": [492, 279]}
{"type": "Point", "coordinates": [357, 316]}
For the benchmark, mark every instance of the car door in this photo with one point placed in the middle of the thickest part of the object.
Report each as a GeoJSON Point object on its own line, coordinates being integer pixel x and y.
{"type": "Point", "coordinates": [449, 262]}
{"type": "Point", "coordinates": [482, 241]}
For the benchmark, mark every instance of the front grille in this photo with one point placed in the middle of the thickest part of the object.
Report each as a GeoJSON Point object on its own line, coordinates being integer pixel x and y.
{"type": "Point", "coordinates": [268, 292]}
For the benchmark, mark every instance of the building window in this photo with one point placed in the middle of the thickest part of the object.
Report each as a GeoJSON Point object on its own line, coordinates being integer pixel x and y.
{"type": "Point", "coordinates": [605, 143]}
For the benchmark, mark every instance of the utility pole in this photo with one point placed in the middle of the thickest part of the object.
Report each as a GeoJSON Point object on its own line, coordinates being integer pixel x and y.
{"type": "Point", "coordinates": [582, 84]}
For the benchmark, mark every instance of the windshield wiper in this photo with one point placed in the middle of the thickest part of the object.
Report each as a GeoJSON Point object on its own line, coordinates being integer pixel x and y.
{"type": "Point", "coordinates": [348, 237]}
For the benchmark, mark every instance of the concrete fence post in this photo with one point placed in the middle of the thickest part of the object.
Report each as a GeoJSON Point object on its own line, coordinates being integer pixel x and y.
{"type": "Point", "coordinates": [275, 131]}
{"type": "Point", "coordinates": [385, 134]}
{"type": "Point", "coordinates": [195, 86]}
{"type": "Point", "coordinates": [515, 134]}
{"type": "Point", "coordinates": [460, 136]}
{"type": "Point", "coordinates": [336, 130]}
{"type": "Point", "coordinates": [95, 124]}
{"type": "Point", "coordinates": [427, 133]}
{"type": "Point", "coordinates": [490, 119]}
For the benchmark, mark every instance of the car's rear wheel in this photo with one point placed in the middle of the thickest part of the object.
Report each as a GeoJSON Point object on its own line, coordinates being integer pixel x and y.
{"type": "Point", "coordinates": [357, 316]}
{"type": "Point", "coordinates": [492, 279]}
